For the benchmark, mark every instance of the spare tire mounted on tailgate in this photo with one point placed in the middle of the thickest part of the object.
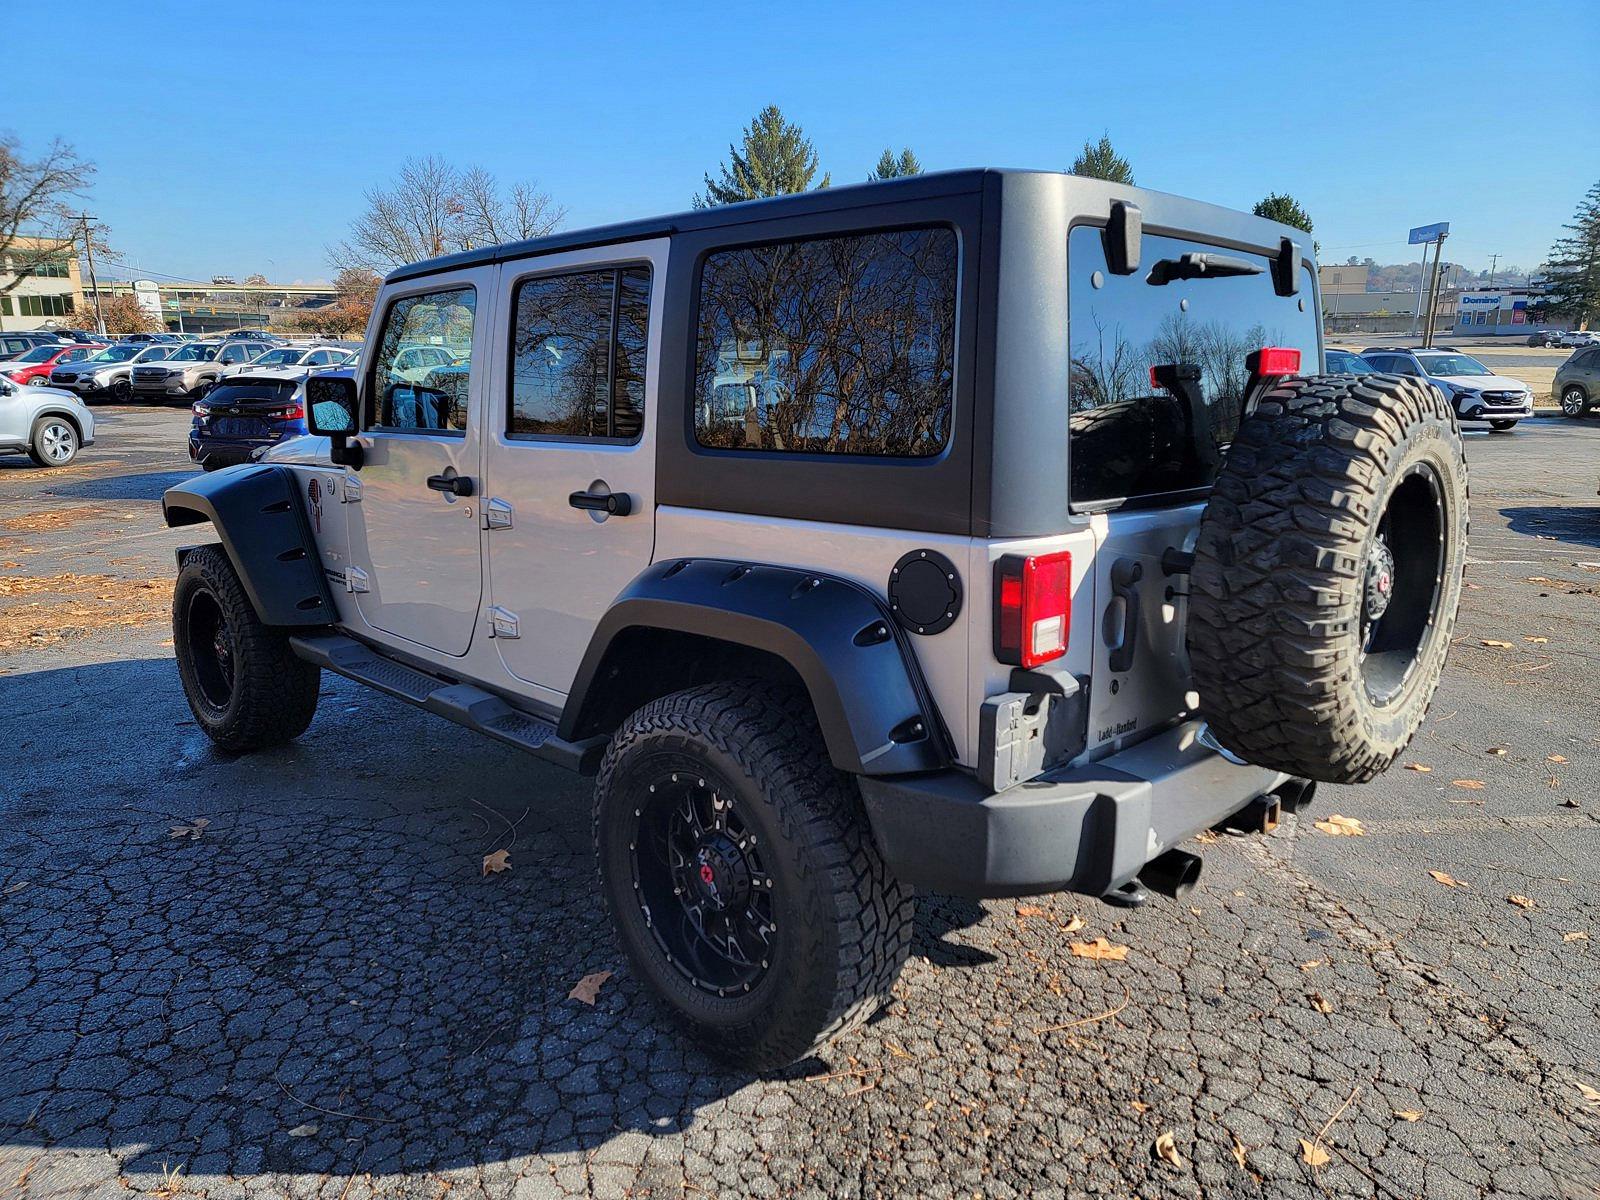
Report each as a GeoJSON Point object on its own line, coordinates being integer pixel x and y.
{"type": "Point", "coordinates": [1327, 573]}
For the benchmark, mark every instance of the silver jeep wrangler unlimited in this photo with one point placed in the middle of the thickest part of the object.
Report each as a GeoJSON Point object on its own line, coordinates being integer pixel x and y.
{"type": "Point", "coordinates": [986, 532]}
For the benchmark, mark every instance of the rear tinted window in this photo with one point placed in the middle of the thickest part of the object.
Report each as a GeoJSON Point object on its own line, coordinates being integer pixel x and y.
{"type": "Point", "coordinates": [1131, 439]}
{"type": "Point", "coordinates": [836, 345]}
{"type": "Point", "coordinates": [264, 391]}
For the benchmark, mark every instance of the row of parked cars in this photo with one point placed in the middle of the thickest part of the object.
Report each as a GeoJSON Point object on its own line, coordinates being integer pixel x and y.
{"type": "Point", "coordinates": [1570, 339]}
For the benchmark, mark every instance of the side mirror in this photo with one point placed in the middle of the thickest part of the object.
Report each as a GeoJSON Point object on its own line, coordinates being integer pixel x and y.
{"type": "Point", "coordinates": [332, 410]}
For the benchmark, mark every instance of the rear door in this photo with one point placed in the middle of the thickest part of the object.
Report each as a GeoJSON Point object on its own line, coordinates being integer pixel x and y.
{"type": "Point", "coordinates": [1157, 387]}
{"type": "Point", "coordinates": [414, 539]}
{"type": "Point", "coordinates": [569, 463]}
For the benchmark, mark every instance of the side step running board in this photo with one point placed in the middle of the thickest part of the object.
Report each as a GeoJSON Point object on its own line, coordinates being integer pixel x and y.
{"type": "Point", "coordinates": [460, 702]}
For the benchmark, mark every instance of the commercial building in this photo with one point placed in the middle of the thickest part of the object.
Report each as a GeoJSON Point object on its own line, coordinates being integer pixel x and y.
{"type": "Point", "coordinates": [51, 290]}
{"type": "Point", "coordinates": [184, 306]}
{"type": "Point", "coordinates": [1381, 312]}
{"type": "Point", "coordinates": [1496, 312]}
{"type": "Point", "coordinates": [1343, 280]}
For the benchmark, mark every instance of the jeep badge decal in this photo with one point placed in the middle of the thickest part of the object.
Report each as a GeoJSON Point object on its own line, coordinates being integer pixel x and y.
{"type": "Point", "coordinates": [314, 496]}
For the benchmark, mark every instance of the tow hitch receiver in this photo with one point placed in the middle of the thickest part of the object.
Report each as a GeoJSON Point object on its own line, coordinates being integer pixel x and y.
{"type": "Point", "coordinates": [1261, 815]}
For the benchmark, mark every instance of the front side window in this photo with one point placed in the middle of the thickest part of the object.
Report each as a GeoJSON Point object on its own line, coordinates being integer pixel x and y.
{"type": "Point", "coordinates": [421, 379]}
{"type": "Point", "coordinates": [1193, 328]}
{"type": "Point", "coordinates": [577, 368]}
{"type": "Point", "coordinates": [834, 345]}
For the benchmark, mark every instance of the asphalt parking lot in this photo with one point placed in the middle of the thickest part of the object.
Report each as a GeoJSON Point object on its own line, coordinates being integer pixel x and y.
{"type": "Point", "coordinates": [285, 975]}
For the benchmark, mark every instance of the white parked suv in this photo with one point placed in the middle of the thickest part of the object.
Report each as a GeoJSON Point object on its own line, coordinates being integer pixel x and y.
{"type": "Point", "coordinates": [954, 533]}
{"type": "Point", "coordinates": [192, 370]}
{"type": "Point", "coordinates": [315, 356]}
{"type": "Point", "coordinates": [1476, 392]}
{"type": "Point", "coordinates": [47, 424]}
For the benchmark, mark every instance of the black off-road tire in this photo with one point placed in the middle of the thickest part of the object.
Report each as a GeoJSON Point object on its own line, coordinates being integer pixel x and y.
{"type": "Point", "coordinates": [1283, 572]}
{"type": "Point", "coordinates": [256, 694]}
{"type": "Point", "coordinates": [842, 922]}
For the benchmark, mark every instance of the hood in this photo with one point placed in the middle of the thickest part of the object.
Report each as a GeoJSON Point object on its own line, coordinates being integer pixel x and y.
{"type": "Point", "coordinates": [34, 394]}
{"type": "Point", "coordinates": [1483, 383]}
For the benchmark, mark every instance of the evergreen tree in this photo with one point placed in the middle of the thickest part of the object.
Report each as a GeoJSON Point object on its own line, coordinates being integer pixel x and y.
{"type": "Point", "coordinates": [1572, 272]}
{"type": "Point", "coordinates": [777, 159]}
{"type": "Point", "coordinates": [1099, 161]}
{"type": "Point", "coordinates": [1284, 209]}
{"type": "Point", "coordinates": [890, 167]}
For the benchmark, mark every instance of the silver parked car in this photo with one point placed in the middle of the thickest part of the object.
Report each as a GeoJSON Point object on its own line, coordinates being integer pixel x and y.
{"type": "Point", "coordinates": [106, 375]}
{"type": "Point", "coordinates": [192, 370]}
{"type": "Point", "coordinates": [314, 355]}
{"type": "Point", "coordinates": [47, 424]}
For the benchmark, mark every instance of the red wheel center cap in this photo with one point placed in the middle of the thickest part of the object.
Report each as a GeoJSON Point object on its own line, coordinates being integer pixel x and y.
{"type": "Point", "coordinates": [707, 875]}
{"type": "Point", "coordinates": [1385, 583]}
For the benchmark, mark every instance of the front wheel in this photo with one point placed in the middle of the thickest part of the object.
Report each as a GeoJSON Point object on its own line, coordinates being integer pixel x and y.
{"type": "Point", "coordinates": [1502, 426]}
{"type": "Point", "coordinates": [54, 442]}
{"type": "Point", "coordinates": [741, 874]}
{"type": "Point", "coordinates": [246, 688]}
{"type": "Point", "coordinates": [121, 391]}
{"type": "Point", "coordinates": [1573, 402]}
{"type": "Point", "coordinates": [38, 381]}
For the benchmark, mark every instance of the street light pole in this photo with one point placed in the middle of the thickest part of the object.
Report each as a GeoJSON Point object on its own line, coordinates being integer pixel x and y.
{"type": "Point", "coordinates": [94, 286]}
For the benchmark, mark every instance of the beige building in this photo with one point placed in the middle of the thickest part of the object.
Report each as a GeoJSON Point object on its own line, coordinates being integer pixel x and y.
{"type": "Point", "coordinates": [51, 294]}
{"type": "Point", "coordinates": [1342, 281]}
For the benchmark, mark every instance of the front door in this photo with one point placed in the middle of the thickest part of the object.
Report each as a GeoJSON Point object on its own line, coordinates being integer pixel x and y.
{"type": "Point", "coordinates": [569, 433]}
{"type": "Point", "coordinates": [415, 558]}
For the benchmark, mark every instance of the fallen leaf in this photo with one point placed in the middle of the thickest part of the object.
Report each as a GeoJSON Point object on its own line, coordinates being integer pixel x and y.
{"type": "Point", "coordinates": [587, 989]}
{"type": "Point", "coordinates": [1206, 837]}
{"type": "Point", "coordinates": [1496, 645]}
{"type": "Point", "coordinates": [1537, 641]}
{"type": "Point", "coordinates": [1100, 949]}
{"type": "Point", "coordinates": [1139, 1106]}
{"type": "Point", "coordinates": [897, 1051]}
{"type": "Point", "coordinates": [1497, 751]}
{"type": "Point", "coordinates": [499, 861]}
{"type": "Point", "coordinates": [1555, 758]}
{"type": "Point", "coordinates": [1471, 785]}
{"type": "Point", "coordinates": [1592, 1095]}
{"type": "Point", "coordinates": [1569, 802]}
{"type": "Point", "coordinates": [1167, 1151]}
{"type": "Point", "coordinates": [1577, 935]}
{"type": "Point", "coordinates": [1341, 826]}
{"type": "Point", "coordinates": [1408, 1114]}
{"type": "Point", "coordinates": [1418, 767]}
{"type": "Point", "coordinates": [1312, 965]}
{"type": "Point", "coordinates": [304, 1130]}
{"type": "Point", "coordinates": [192, 831]}
{"type": "Point", "coordinates": [1029, 910]}
{"type": "Point", "coordinates": [1313, 1154]}
{"type": "Point", "coordinates": [1238, 1155]}
{"type": "Point", "coordinates": [1072, 924]}
{"type": "Point", "coordinates": [1520, 901]}
{"type": "Point", "coordinates": [1447, 880]}
{"type": "Point", "coordinates": [1318, 1003]}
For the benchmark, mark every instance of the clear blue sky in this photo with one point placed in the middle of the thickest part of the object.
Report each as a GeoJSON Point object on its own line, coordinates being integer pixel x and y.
{"type": "Point", "coordinates": [239, 138]}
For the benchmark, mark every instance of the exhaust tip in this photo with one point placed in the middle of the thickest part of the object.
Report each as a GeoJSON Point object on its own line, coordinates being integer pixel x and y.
{"type": "Point", "coordinates": [1173, 874]}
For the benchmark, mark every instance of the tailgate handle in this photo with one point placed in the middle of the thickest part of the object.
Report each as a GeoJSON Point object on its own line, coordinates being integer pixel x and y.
{"type": "Point", "coordinates": [1125, 576]}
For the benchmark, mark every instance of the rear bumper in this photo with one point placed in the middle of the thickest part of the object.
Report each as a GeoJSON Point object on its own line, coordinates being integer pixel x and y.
{"type": "Point", "coordinates": [227, 452]}
{"type": "Point", "coordinates": [1082, 829]}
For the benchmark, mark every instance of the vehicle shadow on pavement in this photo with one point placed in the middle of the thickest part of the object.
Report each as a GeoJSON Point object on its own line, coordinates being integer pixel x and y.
{"type": "Point", "coordinates": [1566, 523]}
{"type": "Point", "coordinates": [292, 962]}
{"type": "Point", "coordinates": [146, 485]}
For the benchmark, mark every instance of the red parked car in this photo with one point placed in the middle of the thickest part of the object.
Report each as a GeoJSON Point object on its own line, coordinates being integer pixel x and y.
{"type": "Point", "coordinates": [34, 367]}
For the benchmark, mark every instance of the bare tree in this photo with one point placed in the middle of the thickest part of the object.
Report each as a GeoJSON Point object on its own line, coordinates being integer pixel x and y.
{"type": "Point", "coordinates": [434, 208]}
{"type": "Point", "coordinates": [355, 290]}
{"type": "Point", "coordinates": [36, 222]}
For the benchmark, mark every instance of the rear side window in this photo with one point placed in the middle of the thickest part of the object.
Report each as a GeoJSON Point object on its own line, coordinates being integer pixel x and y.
{"type": "Point", "coordinates": [577, 355]}
{"type": "Point", "coordinates": [1132, 439]}
{"type": "Point", "coordinates": [833, 345]}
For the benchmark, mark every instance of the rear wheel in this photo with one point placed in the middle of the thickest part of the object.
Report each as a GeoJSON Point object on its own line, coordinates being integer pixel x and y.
{"type": "Point", "coordinates": [1327, 573]}
{"type": "Point", "coordinates": [54, 441]}
{"type": "Point", "coordinates": [246, 688]}
{"type": "Point", "coordinates": [1502, 426]}
{"type": "Point", "coordinates": [741, 874]}
{"type": "Point", "coordinates": [1573, 401]}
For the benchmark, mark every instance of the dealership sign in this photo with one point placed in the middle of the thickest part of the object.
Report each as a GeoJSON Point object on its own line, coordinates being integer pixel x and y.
{"type": "Point", "coordinates": [1428, 233]}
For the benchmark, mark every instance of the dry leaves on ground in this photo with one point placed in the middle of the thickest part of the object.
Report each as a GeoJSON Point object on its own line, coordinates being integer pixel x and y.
{"type": "Point", "coordinates": [1576, 935]}
{"type": "Point", "coordinates": [1469, 785]}
{"type": "Point", "coordinates": [1139, 1106]}
{"type": "Point", "coordinates": [192, 831]}
{"type": "Point", "coordinates": [1312, 1154]}
{"type": "Point", "coordinates": [1072, 924]}
{"type": "Point", "coordinates": [499, 861]}
{"type": "Point", "coordinates": [1592, 1095]}
{"type": "Point", "coordinates": [1319, 1003]}
{"type": "Point", "coordinates": [1537, 641]}
{"type": "Point", "coordinates": [1408, 1114]}
{"type": "Point", "coordinates": [1520, 901]}
{"type": "Point", "coordinates": [1418, 767]}
{"type": "Point", "coordinates": [73, 605]}
{"type": "Point", "coordinates": [1029, 910]}
{"type": "Point", "coordinates": [1555, 758]}
{"type": "Point", "coordinates": [1239, 1154]}
{"type": "Point", "coordinates": [1100, 949]}
{"type": "Point", "coordinates": [1492, 644]}
{"type": "Point", "coordinates": [1341, 826]}
{"type": "Point", "coordinates": [1313, 964]}
{"type": "Point", "coordinates": [1166, 1150]}
{"type": "Point", "coordinates": [1446, 879]}
{"type": "Point", "coordinates": [587, 989]}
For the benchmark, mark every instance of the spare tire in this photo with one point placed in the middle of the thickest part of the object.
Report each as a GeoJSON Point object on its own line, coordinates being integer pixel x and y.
{"type": "Point", "coordinates": [1327, 573]}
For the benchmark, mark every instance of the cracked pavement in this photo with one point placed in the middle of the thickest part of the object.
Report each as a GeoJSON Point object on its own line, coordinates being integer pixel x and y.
{"type": "Point", "coordinates": [320, 995]}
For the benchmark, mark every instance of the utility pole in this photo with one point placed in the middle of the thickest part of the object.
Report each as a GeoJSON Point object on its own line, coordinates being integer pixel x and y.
{"type": "Point", "coordinates": [1494, 261]}
{"type": "Point", "coordinates": [83, 220]}
{"type": "Point", "coordinates": [1433, 293]}
{"type": "Point", "coordinates": [1422, 283]}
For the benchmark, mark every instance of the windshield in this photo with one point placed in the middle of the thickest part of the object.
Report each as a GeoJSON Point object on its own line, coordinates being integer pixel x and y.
{"type": "Point", "coordinates": [194, 353]}
{"type": "Point", "coordinates": [1343, 362]}
{"type": "Point", "coordinates": [115, 354]}
{"type": "Point", "coordinates": [286, 357]}
{"type": "Point", "coordinates": [1452, 364]}
{"type": "Point", "coordinates": [40, 354]}
{"type": "Point", "coordinates": [153, 353]}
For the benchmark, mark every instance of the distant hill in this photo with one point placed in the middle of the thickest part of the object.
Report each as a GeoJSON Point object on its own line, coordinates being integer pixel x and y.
{"type": "Point", "coordinates": [1397, 277]}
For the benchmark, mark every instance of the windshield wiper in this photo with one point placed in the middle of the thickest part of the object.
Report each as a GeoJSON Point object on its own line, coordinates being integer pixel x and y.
{"type": "Point", "coordinates": [1200, 266]}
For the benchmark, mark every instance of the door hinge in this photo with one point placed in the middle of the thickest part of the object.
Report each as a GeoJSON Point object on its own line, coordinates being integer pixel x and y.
{"type": "Point", "coordinates": [496, 513]}
{"type": "Point", "coordinates": [350, 493]}
{"type": "Point", "coordinates": [502, 623]}
{"type": "Point", "coordinates": [356, 579]}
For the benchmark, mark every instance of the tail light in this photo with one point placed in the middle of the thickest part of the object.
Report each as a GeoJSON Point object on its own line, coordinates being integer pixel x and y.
{"type": "Point", "coordinates": [1274, 360]}
{"type": "Point", "coordinates": [1033, 607]}
{"type": "Point", "coordinates": [289, 412]}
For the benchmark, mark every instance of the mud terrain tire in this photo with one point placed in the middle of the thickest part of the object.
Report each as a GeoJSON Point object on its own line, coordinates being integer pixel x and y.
{"type": "Point", "coordinates": [1327, 573]}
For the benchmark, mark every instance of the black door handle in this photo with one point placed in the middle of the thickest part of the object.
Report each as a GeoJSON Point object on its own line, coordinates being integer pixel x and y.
{"type": "Point", "coordinates": [456, 485]}
{"type": "Point", "coordinates": [615, 504]}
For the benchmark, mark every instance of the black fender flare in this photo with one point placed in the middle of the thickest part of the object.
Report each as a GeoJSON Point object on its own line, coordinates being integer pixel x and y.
{"type": "Point", "coordinates": [875, 710]}
{"type": "Point", "coordinates": [258, 516]}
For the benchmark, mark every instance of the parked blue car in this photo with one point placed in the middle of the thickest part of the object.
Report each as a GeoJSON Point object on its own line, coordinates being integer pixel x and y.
{"type": "Point", "coordinates": [250, 412]}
